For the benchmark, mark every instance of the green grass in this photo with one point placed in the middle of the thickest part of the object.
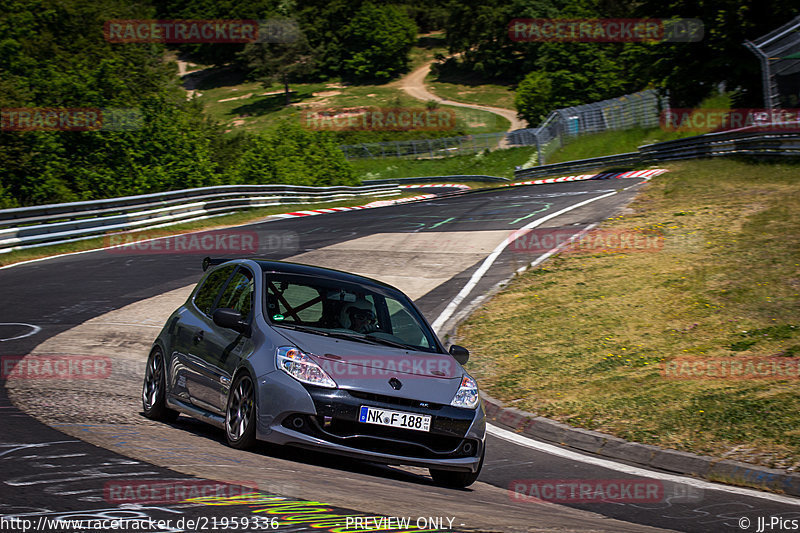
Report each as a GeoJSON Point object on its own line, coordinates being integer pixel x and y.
{"type": "Point", "coordinates": [610, 142]}
{"type": "Point", "coordinates": [482, 94]}
{"type": "Point", "coordinates": [254, 111]}
{"type": "Point", "coordinates": [235, 219]}
{"type": "Point", "coordinates": [257, 111]}
{"type": "Point", "coordinates": [428, 45]}
{"type": "Point", "coordinates": [584, 338]}
{"type": "Point", "coordinates": [453, 83]}
{"type": "Point", "coordinates": [496, 163]}
{"type": "Point", "coordinates": [250, 106]}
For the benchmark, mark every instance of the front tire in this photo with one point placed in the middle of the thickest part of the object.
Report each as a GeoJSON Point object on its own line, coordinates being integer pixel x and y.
{"type": "Point", "coordinates": [240, 413]}
{"type": "Point", "coordinates": [154, 389]}
{"type": "Point", "coordinates": [456, 480]}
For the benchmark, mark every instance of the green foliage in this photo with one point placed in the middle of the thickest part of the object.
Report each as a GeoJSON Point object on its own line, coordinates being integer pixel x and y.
{"type": "Point", "coordinates": [54, 55]}
{"type": "Point", "coordinates": [293, 155]}
{"type": "Point", "coordinates": [534, 96]}
{"type": "Point", "coordinates": [376, 43]}
{"type": "Point", "coordinates": [280, 62]}
{"type": "Point", "coordinates": [585, 72]}
{"type": "Point", "coordinates": [213, 53]}
{"type": "Point", "coordinates": [692, 70]}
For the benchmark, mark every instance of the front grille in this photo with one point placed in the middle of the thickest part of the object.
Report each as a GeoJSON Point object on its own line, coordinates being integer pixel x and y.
{"type": "Point", "coordinates": [383, 439]}
{"type": "Point", "coordinates": [393, 400]}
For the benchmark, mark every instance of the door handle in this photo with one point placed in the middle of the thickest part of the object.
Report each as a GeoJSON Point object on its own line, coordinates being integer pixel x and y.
{"type": "Point", "coordinates": [198, 336]}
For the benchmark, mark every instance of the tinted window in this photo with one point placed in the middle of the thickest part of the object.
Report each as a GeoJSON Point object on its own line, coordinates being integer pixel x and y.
{"type": "Point", "coordinates": [331, 306]}
{"type": "Point", "coordinates": [238, 293]}
{"type": "Point", "coordinates": [204, 299]}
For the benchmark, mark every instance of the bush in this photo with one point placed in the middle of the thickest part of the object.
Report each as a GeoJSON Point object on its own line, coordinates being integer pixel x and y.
{"type": "Point", "coordinates": [292, 155]}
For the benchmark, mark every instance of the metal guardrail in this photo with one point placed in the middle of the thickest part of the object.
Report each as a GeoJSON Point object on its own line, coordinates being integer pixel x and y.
{"type": "Point", "coordinates": [433, 179]}
{"type": "Point", "coordinates": [30, 227]}
{"type": "Point", "coordinates": [729, 143]}
{"type": "Point", "coordinates": [630, 158]}
{"type": "Point", "coordinates": [749, 143]}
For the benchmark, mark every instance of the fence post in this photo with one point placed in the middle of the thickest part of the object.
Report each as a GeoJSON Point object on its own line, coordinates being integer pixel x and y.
{"type": "Point", "coordinates": [539, 155]}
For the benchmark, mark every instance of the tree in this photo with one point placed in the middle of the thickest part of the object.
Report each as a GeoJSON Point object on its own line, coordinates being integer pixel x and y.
{"type": "Point", "coordinates": [691, 71]}
{"type": "Point", "coordinates": [533, 97]}
{"type": "Point", "coordinates": [376, 43]}
{"type": "Point", "coordinates": [292, 155]}
{"type": "Point", "coordinates": [285, 61]}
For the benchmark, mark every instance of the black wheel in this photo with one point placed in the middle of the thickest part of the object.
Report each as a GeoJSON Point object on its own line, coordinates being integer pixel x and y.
{"type": "Point", "coordinates": [154, 389]}
{"type": "Point", "coordinates": [240, 414]}
{"type": "Point", "coordinates": [456, 480]}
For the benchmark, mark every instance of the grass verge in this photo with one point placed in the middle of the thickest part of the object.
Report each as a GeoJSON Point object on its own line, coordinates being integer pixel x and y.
{"type": "Point", "coordinates": [620, 142]}
{"type": "Point", "coordinates": [496, 163]}
{"type": "Point", "coordinates": [585, 338]}
{"type": "Point", "coordinates": [473, 93]}
{"type": "Point", "coordinates": [234, 219]}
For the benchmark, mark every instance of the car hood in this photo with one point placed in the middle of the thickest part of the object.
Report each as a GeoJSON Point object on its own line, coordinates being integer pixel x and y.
{"type": "Point", "coordinates": [381, 369]}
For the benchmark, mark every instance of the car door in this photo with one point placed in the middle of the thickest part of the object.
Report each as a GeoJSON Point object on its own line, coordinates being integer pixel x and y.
{"type": "Point", "coordinates": [191, 345]}
{"type": "Point", "coordinates": [225, 348]}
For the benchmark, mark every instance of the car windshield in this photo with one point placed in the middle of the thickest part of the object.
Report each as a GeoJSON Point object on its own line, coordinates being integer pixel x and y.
{"type": "Point", "coordinates": [345, 310]}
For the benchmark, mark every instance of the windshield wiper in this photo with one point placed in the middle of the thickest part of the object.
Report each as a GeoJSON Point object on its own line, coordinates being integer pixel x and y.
{"type": "Point", "coordinates": [336, 334]}
{"type": "Point", "coordinates": [369, 338]}
{"type": "Point", "coordinates": [360, 337]}
{"type": "Point", "coordinates": [388, 342]}
{"type": "Point", "coordinates": [305, 329]}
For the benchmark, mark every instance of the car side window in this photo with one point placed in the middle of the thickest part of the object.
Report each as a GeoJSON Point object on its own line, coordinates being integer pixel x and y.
{"type": "Point", "coordinates": [207, 295]}
{"type": "Point", "coordinates": [238, 294]}
{"type": "Point", "coordinates": [294, 303]}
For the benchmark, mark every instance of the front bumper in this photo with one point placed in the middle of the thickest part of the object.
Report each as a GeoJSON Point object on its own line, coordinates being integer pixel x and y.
{"type": "Point", "coordinates": [329, 422]}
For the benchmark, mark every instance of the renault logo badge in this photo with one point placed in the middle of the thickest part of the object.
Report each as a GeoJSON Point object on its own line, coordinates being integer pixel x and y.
{"type": "Point", "coordinates": [395, 383]}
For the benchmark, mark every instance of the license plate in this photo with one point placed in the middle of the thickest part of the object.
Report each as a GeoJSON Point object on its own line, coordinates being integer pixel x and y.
{"type": "Point", "coordinates": [396, 419]}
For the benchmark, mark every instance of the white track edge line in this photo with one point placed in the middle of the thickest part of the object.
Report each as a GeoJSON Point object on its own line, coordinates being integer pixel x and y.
{"type": "Point", "coordinates": [478, 274]}
{"type": "Point", "coordinates": [633, 470]}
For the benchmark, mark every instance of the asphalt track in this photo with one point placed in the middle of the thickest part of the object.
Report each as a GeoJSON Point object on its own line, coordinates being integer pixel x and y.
{"type": "Point", "coordinates": [47, 472]}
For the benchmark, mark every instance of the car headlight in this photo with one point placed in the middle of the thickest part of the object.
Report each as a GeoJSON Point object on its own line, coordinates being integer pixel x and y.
{"type": "Point", "coordinates": [300, 366]}
{"type": "Point", "coordinates": [467, 395]}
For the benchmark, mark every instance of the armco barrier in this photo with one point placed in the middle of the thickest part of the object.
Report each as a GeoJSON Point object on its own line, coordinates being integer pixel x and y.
{"type": "Point", "coordinates": [433, 179]}
{"type": "Point", "coordinates": [728, 143]}
{"type": "Point", "coordinates": [745, 143]}
{"type": "Point", "coordinates": [631, 158]}
{"type": "Point", "coordinates": [29, 227]}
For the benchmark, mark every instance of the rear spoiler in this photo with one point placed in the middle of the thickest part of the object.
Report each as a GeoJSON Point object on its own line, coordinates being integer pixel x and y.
{"type": "Point", "coordinates": [207, 262]}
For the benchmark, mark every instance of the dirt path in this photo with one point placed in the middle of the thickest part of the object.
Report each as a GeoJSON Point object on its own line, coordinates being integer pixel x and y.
{"type": "Point", "coordinates": [414, 85]}
{"type": "Point", "coordinates": [191, 79]}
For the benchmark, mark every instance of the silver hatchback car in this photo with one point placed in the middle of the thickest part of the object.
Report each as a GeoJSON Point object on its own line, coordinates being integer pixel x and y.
{"type": "Point", "coordinates": [318, 358]}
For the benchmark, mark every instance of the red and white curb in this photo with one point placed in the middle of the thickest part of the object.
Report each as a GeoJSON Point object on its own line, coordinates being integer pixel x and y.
{"type": "Point", "coordinates": [646, 174]}
{"type": "Point", "coordinates": [431, 185]}
{"type": "Point", "coordinates": [377, 203]}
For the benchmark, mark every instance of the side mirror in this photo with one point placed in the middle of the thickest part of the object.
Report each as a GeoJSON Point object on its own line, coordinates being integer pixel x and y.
{"type": "Point", "coordinates": [231, 319]}
{"type": "Point", "coordinates": [459, 353]}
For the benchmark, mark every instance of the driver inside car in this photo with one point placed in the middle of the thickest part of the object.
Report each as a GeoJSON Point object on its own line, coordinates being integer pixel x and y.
{"type": "Point", "coordinates": [359, 316]}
